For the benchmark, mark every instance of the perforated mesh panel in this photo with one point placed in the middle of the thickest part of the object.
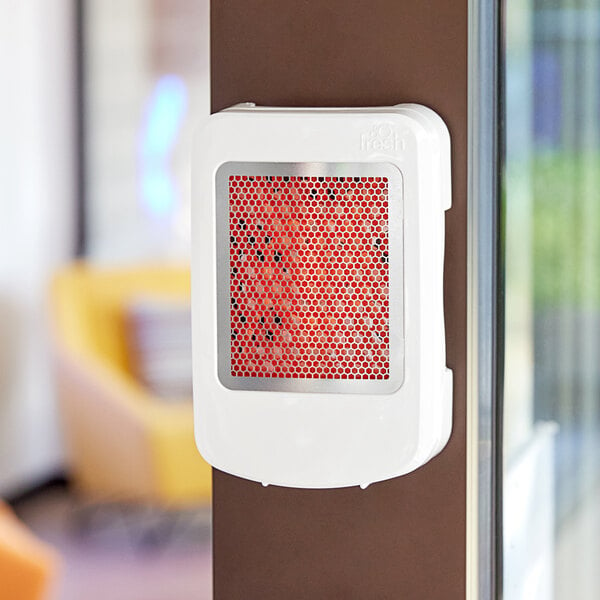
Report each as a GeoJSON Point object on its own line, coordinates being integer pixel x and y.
{"type": "Point", "coordinates": [309, 284]}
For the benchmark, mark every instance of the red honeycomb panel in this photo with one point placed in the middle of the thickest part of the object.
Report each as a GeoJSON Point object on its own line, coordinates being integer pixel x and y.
{"type": "Point", "coordinates": [309, 282]}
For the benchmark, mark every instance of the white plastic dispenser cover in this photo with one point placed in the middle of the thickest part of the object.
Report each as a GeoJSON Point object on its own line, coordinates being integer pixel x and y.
{"type": "Point", "coordinates": [317, 293]}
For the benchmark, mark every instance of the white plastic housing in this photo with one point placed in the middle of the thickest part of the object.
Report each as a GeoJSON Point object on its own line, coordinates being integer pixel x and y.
{"type": "Point", "coordinates": [314, 431]}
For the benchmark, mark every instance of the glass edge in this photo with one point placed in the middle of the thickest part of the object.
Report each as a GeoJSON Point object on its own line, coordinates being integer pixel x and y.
{"type": "Point", "coordinates": [484, 287]}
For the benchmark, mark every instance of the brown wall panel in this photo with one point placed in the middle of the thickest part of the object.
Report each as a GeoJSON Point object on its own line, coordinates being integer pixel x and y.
{"type": "Point", "coordinates": [403, 538]}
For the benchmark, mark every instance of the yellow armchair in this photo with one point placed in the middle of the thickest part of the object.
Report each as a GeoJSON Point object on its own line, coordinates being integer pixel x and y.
{"type": "Point", "coordinates": [122, 442]}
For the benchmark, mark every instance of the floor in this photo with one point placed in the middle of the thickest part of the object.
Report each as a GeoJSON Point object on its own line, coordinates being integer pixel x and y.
{"type": "Point", "coordinates": [116, 552]}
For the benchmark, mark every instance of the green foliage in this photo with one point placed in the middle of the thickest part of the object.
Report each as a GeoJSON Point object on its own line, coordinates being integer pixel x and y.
{"type": "Point", "coordinates": [566, 230]}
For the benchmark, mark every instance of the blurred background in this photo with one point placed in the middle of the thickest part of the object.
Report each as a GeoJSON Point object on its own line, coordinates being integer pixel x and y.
{"type": "Point", "coordinates": [551, 248]}
{"type": "Point", "coordinates": [104, 493]}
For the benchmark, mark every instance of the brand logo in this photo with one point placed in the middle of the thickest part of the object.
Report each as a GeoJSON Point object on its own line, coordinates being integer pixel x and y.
{"type": "Point", "coordinates": [381, 138]}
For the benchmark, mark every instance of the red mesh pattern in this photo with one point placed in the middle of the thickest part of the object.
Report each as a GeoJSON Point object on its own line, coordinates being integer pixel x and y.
{"type": "Point", "coordinates": [309, 277]}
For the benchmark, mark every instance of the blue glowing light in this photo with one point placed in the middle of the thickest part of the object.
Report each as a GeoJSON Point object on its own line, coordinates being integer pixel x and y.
{"type": "Point", "coordinates": [163, 119]}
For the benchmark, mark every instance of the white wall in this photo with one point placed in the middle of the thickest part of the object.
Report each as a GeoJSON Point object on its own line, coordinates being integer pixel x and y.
{"type": "Point", "coordinates": [36, 225]}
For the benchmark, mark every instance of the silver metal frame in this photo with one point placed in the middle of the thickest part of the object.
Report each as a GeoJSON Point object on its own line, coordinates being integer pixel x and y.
{"type": "Point", "coordinates": [484, 357]}
{"type": "Point", "coordinates": [396, 275]}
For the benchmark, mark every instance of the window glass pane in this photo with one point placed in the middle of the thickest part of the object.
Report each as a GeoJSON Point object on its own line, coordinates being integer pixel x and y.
{"type": "Point", "coordinates": [552, 234]}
